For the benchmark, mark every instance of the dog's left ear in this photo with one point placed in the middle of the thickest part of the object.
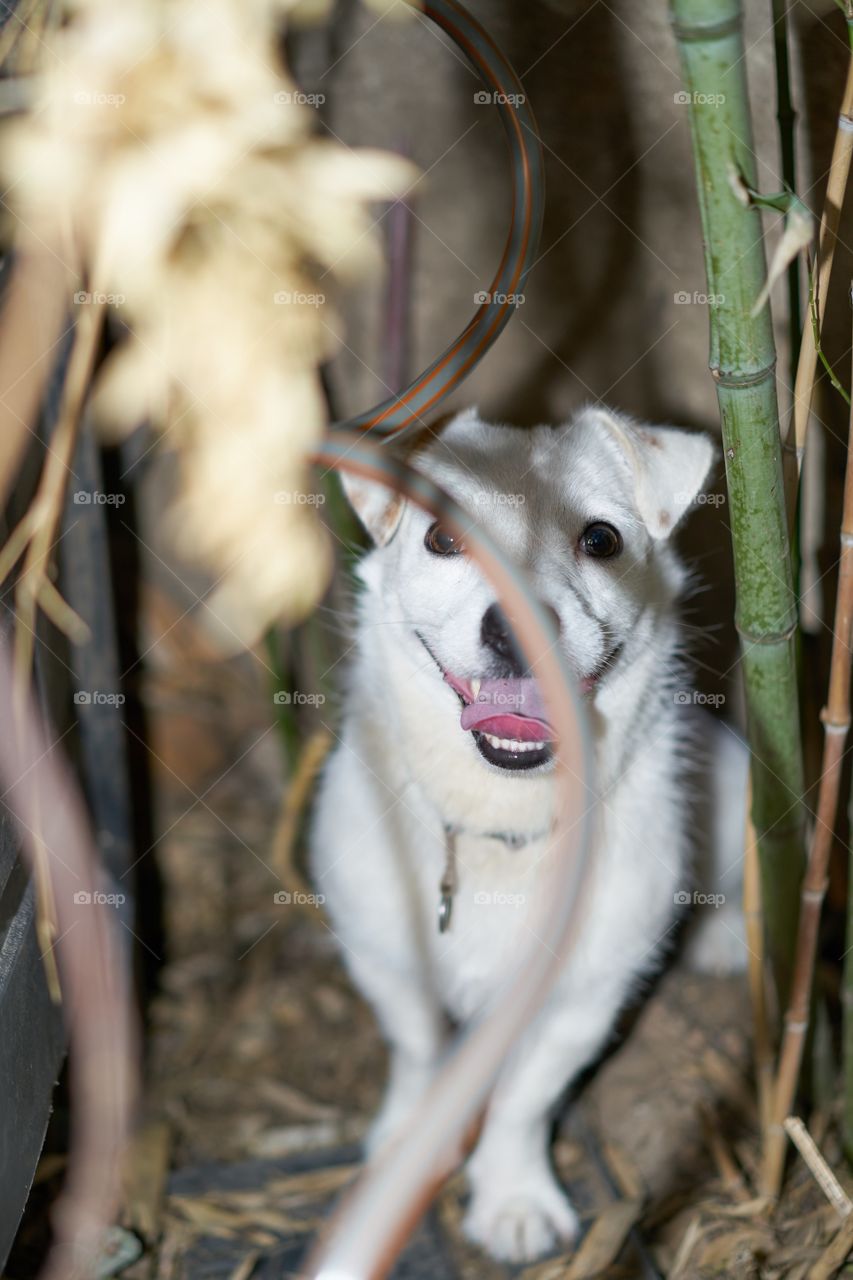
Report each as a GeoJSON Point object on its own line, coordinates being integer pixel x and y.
{"type": "Point", "coordinates": [670, 468]}
{"type": "Point", "coordinates": [380, 510]}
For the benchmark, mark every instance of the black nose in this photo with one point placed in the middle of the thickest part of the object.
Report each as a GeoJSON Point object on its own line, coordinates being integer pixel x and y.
{"type": "Point", "coordinates": [496, 634]}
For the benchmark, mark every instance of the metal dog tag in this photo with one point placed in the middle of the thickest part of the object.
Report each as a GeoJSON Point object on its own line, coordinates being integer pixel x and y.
{"type": "Point", "coordinates": [447, 888]}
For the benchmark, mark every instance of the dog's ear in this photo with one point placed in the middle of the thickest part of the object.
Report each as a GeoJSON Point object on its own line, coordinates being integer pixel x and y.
{"type": "Point", "coordinates": [670, 467]}
{"type": "Point", "coordinates": [380, 510]}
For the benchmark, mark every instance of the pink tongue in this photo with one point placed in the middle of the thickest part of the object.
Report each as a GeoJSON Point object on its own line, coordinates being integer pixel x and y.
{"type": "Point", "coordinates": [506, 708]}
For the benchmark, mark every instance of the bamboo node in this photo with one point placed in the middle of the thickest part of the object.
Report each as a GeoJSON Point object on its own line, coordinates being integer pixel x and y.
{"type": "Point", "coordinates": [777, 637]}
{"type": "Point", "coordinates": [845, 123]}
{"type": "Point", "coordinates": [711, 31]}
{"type": "Point", "coordinates": [749, 379]}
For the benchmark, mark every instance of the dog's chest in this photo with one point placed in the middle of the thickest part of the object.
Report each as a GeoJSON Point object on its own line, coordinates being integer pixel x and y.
{"type": "Point", "coordinates": [496, 904]}
{"type": "Point", "coordinates": [495, 887]}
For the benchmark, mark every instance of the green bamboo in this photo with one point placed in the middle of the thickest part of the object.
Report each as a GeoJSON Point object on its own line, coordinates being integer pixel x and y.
{"type": "Point", "coordinates": [742, 362]}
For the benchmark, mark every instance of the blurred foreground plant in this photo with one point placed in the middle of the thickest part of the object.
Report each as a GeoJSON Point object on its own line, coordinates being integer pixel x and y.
{"type": "Point", "coordinates": [178, 165]}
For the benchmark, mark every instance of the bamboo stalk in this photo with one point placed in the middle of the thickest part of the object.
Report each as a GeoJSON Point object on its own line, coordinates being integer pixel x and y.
{"type": "Point", "coordinates": [847, 1006]}
{"type": "Point", "coordinates": [742, 361]}
{"type": "Point", "coordinates": [763, 1047]}
{"type": "Point", "coordinates": [836, 723]}
{"type": "Point", "coordinates": [41, 521]}
{"type": "Point", "coordinates": [786, 118]}
{"type": "Point", "coordinates": [847, 1009]}
{"type": "Point", "coordinates": [818, 1167]}
{"type": "Point", "coordinates": [839, 170]}
{"type": "Point", "coordinates": [31, 326]}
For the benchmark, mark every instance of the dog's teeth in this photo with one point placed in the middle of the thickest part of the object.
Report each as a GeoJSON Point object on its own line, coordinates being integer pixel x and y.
{"type": "Point", "coordinates": [511, 744]}
{"type": "Point", "coordinates": [475, 688]}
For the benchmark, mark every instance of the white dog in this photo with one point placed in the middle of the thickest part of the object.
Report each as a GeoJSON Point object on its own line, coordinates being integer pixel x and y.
{"type": "Point", "coordinates": [435, 808]}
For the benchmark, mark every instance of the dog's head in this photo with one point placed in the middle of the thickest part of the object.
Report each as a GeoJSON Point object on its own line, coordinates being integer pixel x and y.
{"type": "Point", "coordinates": [588, 509]}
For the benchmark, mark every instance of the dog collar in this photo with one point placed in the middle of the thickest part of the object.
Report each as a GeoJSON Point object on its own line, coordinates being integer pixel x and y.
{"type": "Point", "coordinates": [450, 877]}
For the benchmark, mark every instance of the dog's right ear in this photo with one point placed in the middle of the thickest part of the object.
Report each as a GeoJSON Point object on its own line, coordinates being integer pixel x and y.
{"type": "Point", "coordinates": [379, 509]}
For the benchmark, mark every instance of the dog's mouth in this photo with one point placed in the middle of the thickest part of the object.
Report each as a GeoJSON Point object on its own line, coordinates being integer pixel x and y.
{"type": "Point", "coordinates": [507, 717]}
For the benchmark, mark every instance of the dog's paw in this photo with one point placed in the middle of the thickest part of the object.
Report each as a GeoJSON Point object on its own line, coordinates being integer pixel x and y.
{"type": "Point", "coordinates": [520, 1223]}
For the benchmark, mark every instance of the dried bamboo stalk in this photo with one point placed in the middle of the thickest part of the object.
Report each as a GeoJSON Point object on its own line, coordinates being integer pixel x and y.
{"type": "Point", "coordinates": [786, 118]}
{"type": "Point", "coordinates": [818, 1167]}
{"type": "Point", "coordinates": [836, 722]}
{"type": "Point", "coordinates": [839, 170]}
{"type": "Point", "coordinates": [763, 1040]}
{"type": "Point", "coordinates": [34, 309]}
{"type": "Point", "coordinates": [37, 529]}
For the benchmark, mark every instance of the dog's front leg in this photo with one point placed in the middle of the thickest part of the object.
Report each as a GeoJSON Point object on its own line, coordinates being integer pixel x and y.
{"type": "Point", "coordinates": [518, 1210]}
{"type": "Point", "coordinates": [414, 1028]}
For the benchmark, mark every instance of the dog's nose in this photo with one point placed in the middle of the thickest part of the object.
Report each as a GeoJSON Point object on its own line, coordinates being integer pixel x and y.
{"type": "Point", "coordinates": [496, 634]}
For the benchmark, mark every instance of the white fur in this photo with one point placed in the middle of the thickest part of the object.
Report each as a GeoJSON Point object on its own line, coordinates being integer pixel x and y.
{"type": "Point", "coordinates": [405, 768]}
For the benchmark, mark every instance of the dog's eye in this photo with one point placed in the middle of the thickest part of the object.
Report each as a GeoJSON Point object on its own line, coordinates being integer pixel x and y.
{"type": "Point", "coordinates": [601, 541]}
{"type": "Point", "coordinates": [441, 542]}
